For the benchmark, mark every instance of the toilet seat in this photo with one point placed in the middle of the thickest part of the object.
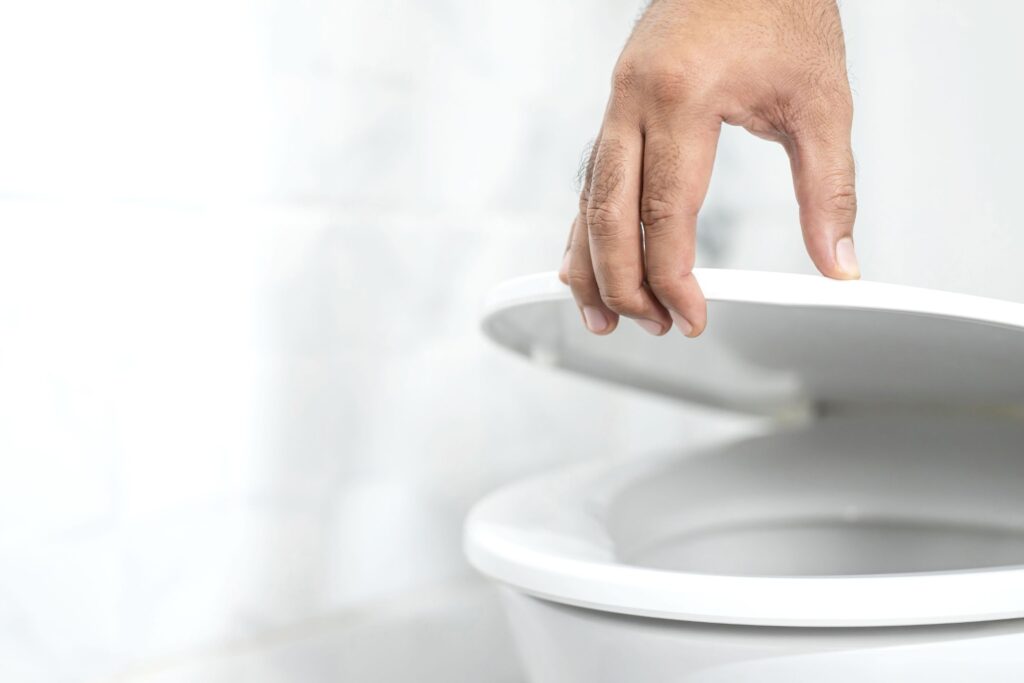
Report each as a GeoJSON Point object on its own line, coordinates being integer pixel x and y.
{"type": "Point", "coordinates": [554, 537]}
{"type": "Point", "coordinates": [912, 380]}
{"type": "Point", "coordinates": [778, 344]}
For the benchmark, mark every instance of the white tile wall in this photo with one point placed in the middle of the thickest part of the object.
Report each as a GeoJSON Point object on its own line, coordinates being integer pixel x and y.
{"type": "Point", "coordinates": [224, 420]}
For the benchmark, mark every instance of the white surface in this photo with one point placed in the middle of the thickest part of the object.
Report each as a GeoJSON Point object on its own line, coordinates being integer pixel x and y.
{"type": "Point", "coordinates": [778, 343]}
{"type": "Point", "coordinates": [569, 645]}
{"type": "Point", "coordinates": [449, 632]}
{"type": "Point", "coordinates": [949, 489]}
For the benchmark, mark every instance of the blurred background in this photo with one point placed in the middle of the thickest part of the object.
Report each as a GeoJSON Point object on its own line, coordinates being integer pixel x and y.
{"type": "Point", "coordinates": [244, 402]}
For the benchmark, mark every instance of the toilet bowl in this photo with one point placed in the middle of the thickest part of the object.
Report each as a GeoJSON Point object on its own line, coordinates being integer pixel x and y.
{"type": "Point", "coordinates": [876, 533]}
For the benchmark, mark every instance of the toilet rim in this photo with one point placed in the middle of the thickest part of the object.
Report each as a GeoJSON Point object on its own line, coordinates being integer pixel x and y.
{"type": "Point", "coordinates": [540, 537]}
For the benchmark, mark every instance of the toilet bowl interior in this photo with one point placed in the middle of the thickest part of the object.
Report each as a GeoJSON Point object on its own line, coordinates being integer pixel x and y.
{"type": "Point", "coordinates": [845, 497]}
{"type": "Point", "coordinates": [833, 547]}
{"type": "Point", "coordinates": [847, 521]}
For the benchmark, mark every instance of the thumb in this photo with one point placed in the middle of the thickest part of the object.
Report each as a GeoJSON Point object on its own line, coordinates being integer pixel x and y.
{"type": "Point", "coordinates": [823, 177]}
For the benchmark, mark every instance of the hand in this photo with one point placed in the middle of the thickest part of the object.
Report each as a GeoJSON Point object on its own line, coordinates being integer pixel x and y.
{"type": "Point", "coordinates": [775, 67]}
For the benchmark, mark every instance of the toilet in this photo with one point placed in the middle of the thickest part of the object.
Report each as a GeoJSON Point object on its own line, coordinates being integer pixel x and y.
{"type": "Point", "coordinates": [874, 532]}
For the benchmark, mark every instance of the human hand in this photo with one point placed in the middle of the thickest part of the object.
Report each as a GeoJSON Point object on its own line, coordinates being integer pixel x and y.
{"type": "Point", "coordinates": [775, 67]}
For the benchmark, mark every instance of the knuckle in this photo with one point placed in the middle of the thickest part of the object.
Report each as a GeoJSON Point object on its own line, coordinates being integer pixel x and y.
{"type": "Point", "coordinates": [664, 282]}
{"type": "Point", "coordinates": [660, 84]}
{"type": "Point", "coordinates": [689, 76]}
{"type": "Point", "coordinates": [842, 197]}
{"type": "Point", "coordinates": [581, 281]}
{"type": "Point", "coordinates": [624, 300]}
{"type": "Point", "coordinates": [603, 220]}
{"type": "Point", "coordinates": [660, 283]}
{"type": "Point", "coordinates": [656, 213]}
{"type": "Point", "coordinates": [666, 87]}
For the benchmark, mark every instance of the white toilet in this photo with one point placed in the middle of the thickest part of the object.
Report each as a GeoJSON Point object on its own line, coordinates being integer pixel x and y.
{"type": "Point", "coordinates": [876, 535]}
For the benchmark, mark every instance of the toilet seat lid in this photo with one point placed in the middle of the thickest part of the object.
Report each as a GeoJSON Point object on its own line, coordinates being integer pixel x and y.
{"type": "Point", "coordinates": [782, 343]}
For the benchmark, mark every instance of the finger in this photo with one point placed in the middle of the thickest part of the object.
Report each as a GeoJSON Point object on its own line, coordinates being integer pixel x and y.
{"type": "Point", "coordinates": [678, 158]}
{"type": "Point", "coordinates": [579, 271]}
{"type": "Point", "coordinates": [613, 225]}
{"type": "Point", "coordinates": [584, 176]}
{"type": "Point", "coordinates": [823, 176]}
{"type": "Point", "coordinates": [596, 316]}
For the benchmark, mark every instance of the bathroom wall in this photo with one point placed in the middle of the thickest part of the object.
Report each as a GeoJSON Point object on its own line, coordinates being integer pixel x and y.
{"type": "Point", "coordinates": [244, 404]}
{"type": "Point", "coordinates": [244, 400]}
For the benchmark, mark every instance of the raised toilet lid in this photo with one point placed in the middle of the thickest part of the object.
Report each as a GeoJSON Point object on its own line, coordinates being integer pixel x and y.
{"type": "Point", "coordinates": [883, 518]}
{"type": "Point", "coordinates": [777, 342]}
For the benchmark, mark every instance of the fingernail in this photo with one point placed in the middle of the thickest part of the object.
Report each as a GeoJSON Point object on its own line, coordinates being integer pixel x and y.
{"type": "Point", "coordinates": [846, 258]}
{"type": "Point", "coordinates": [563, 270]}
{"type": "Point", "coordinates": [650, 327]}
{"type": "Point", "coordinates": [682, 323]}
{"type": "Point", "coordinates": [595, 319]}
